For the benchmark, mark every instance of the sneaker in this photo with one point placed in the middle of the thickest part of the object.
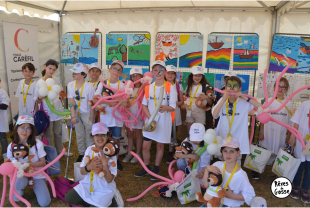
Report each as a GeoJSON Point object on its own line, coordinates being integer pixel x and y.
{"type": "Point", "coordinates": [169, 159]}
{"type": "Point", "coordinates": [295, 193]}
{"type": "Point", "coordinates": [127, 158]}
{"type": "Point", "coordinates": [141, 173]}
{"type": "Point", "coordinates": [135, 160]}
{"type": "Point", "coordinates": [70, 154]}
{"type": "Point", "coordinates": [305, 196]}
{"type": "Point", "coordinates": [153, 178]}
{"type": "Point", "coordinates": [255, 175]}
{"type": "Point", "coordinates": [119, 166]}
{"type": "Point", "coordinates": [80, 158]}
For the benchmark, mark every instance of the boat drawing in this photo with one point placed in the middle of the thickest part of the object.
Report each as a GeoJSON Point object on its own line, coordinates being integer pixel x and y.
{"type": "Point", "coordinates": [304, 48]}
{"type": "Point", "coordinates": [246, 55]}
{"type": "Point", "coordinates": [215, 44]}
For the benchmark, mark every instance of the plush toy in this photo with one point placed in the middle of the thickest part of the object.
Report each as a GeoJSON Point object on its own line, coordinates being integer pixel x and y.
{"type": "Point", "coordinates": [214, 192]}
{"type": "Point", "coordinates": [62, 95]}
{"type": "Point", "coordinates": [99, 108]}
{"type": "Point", "coordinates": [99, 171]}
{"type": "Point", "coordinates": [186, 148]}
{"type": "Point", "coordinates": [200, 103]}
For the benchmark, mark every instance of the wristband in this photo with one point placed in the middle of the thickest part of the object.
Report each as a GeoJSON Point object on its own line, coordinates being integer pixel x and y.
{"type": "Point", "coordinates": [249, 99]}
{"type": "Point", "coordinates": [86, 169]}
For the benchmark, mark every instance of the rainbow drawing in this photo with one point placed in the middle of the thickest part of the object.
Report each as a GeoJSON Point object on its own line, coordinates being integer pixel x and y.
{"type": "Point", "coordinates": [245, 64]}
{"type": "Point", "coordinates": [191, 47]}
{"type": "Point", "coordinates": [218, 59]}
{"type": "Point", "coordinates": [191, 59]}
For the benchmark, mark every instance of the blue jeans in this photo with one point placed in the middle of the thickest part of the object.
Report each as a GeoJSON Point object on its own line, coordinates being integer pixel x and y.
{"type": "Point", "coordinates": [219, 206]}
{"type": "Point", "coordinates": [182, 165]}
{"type": "Point", "coordinates": [306, 181]}
{"type": "Point", "coordinates": [116, 132]}
{"type": "Point", "coordinates": [40, 189]}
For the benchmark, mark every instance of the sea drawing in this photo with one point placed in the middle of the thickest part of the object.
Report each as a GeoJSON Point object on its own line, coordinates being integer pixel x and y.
{"type": "Point", "coordinates": [70, 48]}
{"type": "Point", "coordinates": [303, 63]}
{"type": "Point", "coordinates": [87, 54]}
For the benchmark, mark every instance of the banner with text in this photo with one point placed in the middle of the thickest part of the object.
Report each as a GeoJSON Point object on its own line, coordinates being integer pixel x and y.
{"type": "Point", "coordinates": [21, 46]}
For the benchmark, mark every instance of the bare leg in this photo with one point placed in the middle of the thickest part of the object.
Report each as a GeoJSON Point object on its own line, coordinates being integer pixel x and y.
{"type": "Point", "coordinates": [170, 147]}
{"type": "Point", "coordinates": [138, 140]}
{"type": "Point", "coordinates": [130, 139]}
{"type": "Point", "coordinates": [146, 151]}
{"type": "Point", "coordinates": [159, 153]}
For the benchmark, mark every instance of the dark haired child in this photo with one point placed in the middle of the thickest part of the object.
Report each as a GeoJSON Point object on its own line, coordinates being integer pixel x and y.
{"type": "Point", "coordinates": [80, 93]}
{"type": "Point", "coordinates": [233, 112]}
{"type": "Point", "coordinates": [4, 123]}
{"type": "Point", "coordinates": [24, 133]}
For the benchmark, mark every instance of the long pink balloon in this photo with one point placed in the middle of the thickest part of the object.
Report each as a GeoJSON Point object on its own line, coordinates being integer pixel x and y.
{"type": "Point", "coordinates": [110, 88]}
{"type": "Point", "coordinates": [3, 191]}
{"type": "Point", "coordinates": [233, 93]}
{"type": "Point", "coordinates": [170, 170]}
{"type": "Point", "coordinates": [252, 129]}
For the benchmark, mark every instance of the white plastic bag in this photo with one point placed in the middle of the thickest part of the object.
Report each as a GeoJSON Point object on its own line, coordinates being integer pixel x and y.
{"type": "Point", "coordinates": [64, 132]}
{"type": "Point", "coordinates": [118, 198]}
{"type": "Point", "coordinates": [77, 172]}
{"type": "Point", "coordinates": [257, 159]}
{"type": "Point", "coordinates": [306, 152]}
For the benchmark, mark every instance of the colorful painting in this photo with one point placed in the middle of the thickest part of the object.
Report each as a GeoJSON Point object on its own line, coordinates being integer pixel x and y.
{"type": "Point", "coordinates": [303, 63]}
{"type": "Point", "coordinates": [245, 82]}
{"type": "Point", "coordinates": [191, 47]}
{"type": "Point", "coordinates": [70, 48]}
{"type": "Point", "coordinates": [209, 76]}
{"type": "Point", "coordinates": [218, 51]}
{"type": "Point", "coordinates": [284, 51]}
{"type": "Point", "coordinates": [166, 48]}
{"type": "Point", "coordinates": [126, 74]}
{"type": "Point", "coordinates": [179, 77]}
{"type": "Point", "coordinates": [116, 48]}
{"type": "Point", "coordinates": [246, 52]}
{"type": "Point", "coordinates": [139, 49]}
{"type": "Point", "coordinates": [87, 54]}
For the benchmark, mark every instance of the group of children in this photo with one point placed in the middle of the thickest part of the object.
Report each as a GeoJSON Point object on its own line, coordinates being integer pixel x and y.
{"type": "Point", "coordinates": [230, 113]}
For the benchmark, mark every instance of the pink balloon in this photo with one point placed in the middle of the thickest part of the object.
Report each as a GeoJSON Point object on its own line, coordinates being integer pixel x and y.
{"type": "Point", "coordinates": [263, 118]}
{"type": "Point", "coordinates": [179, 176]}
{"type": "Point", "coordinates": [6, 168]}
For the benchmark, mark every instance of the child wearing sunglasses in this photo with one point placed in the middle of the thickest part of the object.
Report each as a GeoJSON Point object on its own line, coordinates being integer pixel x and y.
{"type": "Point", "coordinates": [115, 126]}
{"type": "Point", "coordinates": [80, 93]}
{"type": "Point", "coordinates": [232, 111]}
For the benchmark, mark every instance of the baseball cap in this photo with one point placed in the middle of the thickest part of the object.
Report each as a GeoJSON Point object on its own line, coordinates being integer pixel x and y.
{"type": "Point", "coordinates": [230, 142]}
{"type": "Point", "coordinates": [258, 202]}
{"type": "Point", "coordinates": [99, 128]}
{"type": "Point", "coordinates": [119, 63]}
{"type": "Point", "coordinates": [230, 74]}
{"type": "Point", "coordinates": [197, 70]}
{"type": "Point", "coordinates": [95, 65]}
{"type": "Point", "coordinates": [136, 70]}
{"type": "Point", "coordinates": [171, 68]}
{"type": "Point", "coordinates": [159, 62]}
{"type": "Point", "coordinates": [196, 132]}
{"type": "Point", "coordinates": [78, 68]}
{"type": "Point", "coordinates": [25, 119]}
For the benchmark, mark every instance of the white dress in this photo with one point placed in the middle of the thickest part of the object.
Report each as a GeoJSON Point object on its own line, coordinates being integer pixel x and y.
{"type": "Point", "coordinates": [134, 110]}
{"type": "Point", "coordinates": [30, 100]}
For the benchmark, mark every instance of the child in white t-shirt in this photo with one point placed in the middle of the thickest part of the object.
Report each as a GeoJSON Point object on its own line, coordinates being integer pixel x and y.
{"type": "Point", "coordinates": [135, 74]}
{"type": "Point", "coordinates": [238, 190]}
{"type": "Point", "coordinates": [162, 132]}
{"type": "Point", "coordinates": [237, 107]}
{"type": "Point", "coordinates": [80, 93]}
{"type": "Point", "coordinates": [171, 77]}
{"type": "Point", "coordinates": [302, 124]}
{"type": "Point", "coordinates": [94, 72]}
{"type": "Point", "coordinates": [26, 91]}
{"type": "Point", "coordinates": [4, 123]}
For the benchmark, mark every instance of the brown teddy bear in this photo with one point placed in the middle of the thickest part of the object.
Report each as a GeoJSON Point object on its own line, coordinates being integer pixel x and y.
{"type": "Point", "coordinates": [200, 103]}
{"type": "Point", "coordinates": [214, 192]}
{"type": "Point", "coordinates": [186, 148]}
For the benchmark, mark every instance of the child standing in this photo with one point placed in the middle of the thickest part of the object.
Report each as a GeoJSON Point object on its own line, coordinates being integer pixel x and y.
{"type": "Point", "coordinates": [93, 190]}
{"type": "Point", "coordinates": [24, 133]}
{"type": "Point", "coordinates": [171, 77]}
{"type": "Point", "coordinates": [233, 112]}
{"type": "Point", "coordinates": [115, 126]}
{"type": "Point", "coordinates": [4, 123]}
{"type": "Point", "coordinates": [50, 68]}
{"type": "Point", "coordinates": [163, 119]}
{"type": "Point", "coordinates": [196, 133]}
{"type": "Point", "coordinates": [135, 74]}
{"type": "Point", "coordinates": [235, 183]}
{"type": "Point", "coordinates": [302, 124]}
{"type": "Point", "coordinates": [26, 91]}
{"type": "Point", "coordinates": [272, 135]}
{"type": "Point", "coordinates": [94, 72]}
{"type": "Point", "coordinates": [196, 84]}
{"type": "Point", "coordinates": [82, 115]}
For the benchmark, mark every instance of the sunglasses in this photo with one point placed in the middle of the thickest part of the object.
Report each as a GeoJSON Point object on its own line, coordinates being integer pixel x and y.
{"type": "Point", "coordinates": [230, 108]}
{"type": "Point", "coordinates": [282, 87]}
{"type": "Point", "coordinates": [117, 70]}
{"type": "Point", "coordinates": [77, 95]}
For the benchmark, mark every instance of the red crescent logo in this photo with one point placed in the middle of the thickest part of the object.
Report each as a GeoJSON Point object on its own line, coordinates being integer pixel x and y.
{"type": "Point", "coordinates": [15, 40]}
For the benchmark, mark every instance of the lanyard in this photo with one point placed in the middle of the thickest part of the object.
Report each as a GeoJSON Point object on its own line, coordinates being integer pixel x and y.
{"type": "Point", "coordinates": [155, 101]}
{"type": "Point", "coordinates": [285, 107]}
{"type": "Point", "coordinates": [196, 148]}
{"type": "Point", "coordinates": [44, 78]}
{"type": "Point", "coordinates": [79, 102]}
{"type": "Point", "coordinates": [232, 117]}
{"type": "Point", "coordinates": [94, 83]}
{"type": "Point", "coordinates": [134, 96]}
{"type": "Point", "coordinates": [29, 151]}
{"type": "Point", "coordinates": [25, 96]}
{"type": "Point", "coordinates": [91, 188]}
{"type": "Point", "coordinates": [191, 99]}
{"type": "Point", "coordinates": [117, 84]}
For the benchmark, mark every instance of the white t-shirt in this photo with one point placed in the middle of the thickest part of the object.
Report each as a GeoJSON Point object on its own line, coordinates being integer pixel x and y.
{"type": "Point", "coordinates": [57, 103]}
{"type": "Point", "coordinates": [178, 119]}
{"type": "Point", "coordinates": [103, 191]}
{"type": "Point", "coordinates": [275, 134]}
{"type": "Point", "coordinates": [199, 91]}
{"type": "Point", "coordinates": [162, 133]}
{"type": "Point", "coordinates": [301, 117]}
{"type": "Point", "coordinates": [30, 100]}
{"type": "Point", "coordinates": [36, 150]}
{"type": "Point", "coordinates": [94, 85]}
{"type": "Point", "coordinates": [239, 184]}
{"type": "Point", "coordinates": [4, 99]}
{"type": "Point", "coordinates": [88, 94]}
{"type": "Point", "coordinates": [134, 110]}
{"type": "Point", "coordinates": [239, 127]}
{"type": "Point", "coordinates": [108, 117]}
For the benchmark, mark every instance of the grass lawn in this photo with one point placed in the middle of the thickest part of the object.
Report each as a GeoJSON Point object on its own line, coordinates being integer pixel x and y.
{"type": "Point", "coordinates": [129, 186]}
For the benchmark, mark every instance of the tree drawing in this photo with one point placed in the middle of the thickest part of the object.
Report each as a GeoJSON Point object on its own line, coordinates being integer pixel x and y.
{"type": "Point", "coordinates": [185, 193]}
{"type": "Point", "coordinates": [123, 51]}
{"type": "Point", "coordinates": [252, 157]}
{"type": "Point", "coordinates": [279, 162]}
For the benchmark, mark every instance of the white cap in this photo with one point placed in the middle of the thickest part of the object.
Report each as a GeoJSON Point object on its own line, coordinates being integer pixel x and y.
{"type": "Point", "coordinates": [159, 62]}
{"type": "Point", "coordinates": [135, 70]}
{"type": "Point", "coordinates": [119, 63]}
{"type": "Point", "coordinates": [78, 68]}
{"type": "Point", "coordinates": [197, 70]}
{"type": "Point", "coordinates": [230, 74]}
{"type": "Point", "coordinates": [258, 202]}
{"type": "Point", "coordinates": [171, 68]}
{"type": "Point", "coordinates": [196, 132]}
{"type": "Point", "coordinates": [95, 65]}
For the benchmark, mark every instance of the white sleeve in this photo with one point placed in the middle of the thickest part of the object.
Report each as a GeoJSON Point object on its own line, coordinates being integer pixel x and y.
{"type": "Point", "coordinates": [4, 98]}
{"type": "Point", "coordinates": [35, 92]}
{"type": "Point", "coordinates": [298, 114]}
{"type": "Point", "coordinates": [247, 191]}
{"type": "Point", "coordinates": [218, 102]}
{"type": "Point", "coordinates": [99, 89]}
{"type": "Point", "coordinates": [144, 101]}
{"type": "Point", "coordinates": [70, 91]}
{"type": "Point", "coordinates": [172, 101]}
{"type": "Point", "coordinates": [40, 148]}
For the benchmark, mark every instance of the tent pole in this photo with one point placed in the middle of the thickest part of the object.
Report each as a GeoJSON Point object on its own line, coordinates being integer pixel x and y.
{"type": "Point", "coordinates": [60, 37]}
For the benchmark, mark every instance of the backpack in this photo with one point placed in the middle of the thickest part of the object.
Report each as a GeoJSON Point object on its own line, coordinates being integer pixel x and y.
{"type": "Point", "coordinates": [167, 90]}
{"type": "Point", "coordinates": [62, 186]}
{"type": "Point", "coordinates": [41, 120]}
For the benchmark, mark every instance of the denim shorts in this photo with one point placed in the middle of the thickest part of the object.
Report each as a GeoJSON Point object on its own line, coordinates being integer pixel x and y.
{"type": "Point", "coordinates": [147, 139]}
{"type": "Point", "coordinates": [116, 132]}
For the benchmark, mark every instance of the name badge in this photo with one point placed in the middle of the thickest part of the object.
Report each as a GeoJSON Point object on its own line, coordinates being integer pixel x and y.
{"type": "Point", "coordinates": [24, 110]}
{"type": "Point", "coordinates": [156, 119]}
{"type": "Point", "coordinates": [307, 137]}
{"type": "Point", "coordinates": [188, 113]}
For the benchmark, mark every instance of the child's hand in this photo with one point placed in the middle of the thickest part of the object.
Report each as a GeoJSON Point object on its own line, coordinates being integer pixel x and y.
{"type": "Point", "coordinates": [94, 164]}
{"type": "Point", "coordinates": [122, 102]}
{"type": "Point", "coordinates": [240, 95]}
{"type": "Point", "coordinates": [194, 157]}
{"type": "Point", "coordinates": [74, 120]}
{"type": "Point", "coordinates": [104, 160]}
{"type": "Point", "coordinates": [292, 141]}
{"type": "Point", "coordinates": [213, 169]}
{"type": "Point", "coordinates": [229, 194]}
{"type": "Point", "coordinates": [162, 108]}
{"type": "Point", "coordinates": [200, 174]}
{"type": "Point", "coordinates": [226, 95]}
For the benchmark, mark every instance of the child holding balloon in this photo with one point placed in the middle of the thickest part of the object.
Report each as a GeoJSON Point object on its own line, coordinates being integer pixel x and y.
{"type": "Point", "coordinates": [82, 115]}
